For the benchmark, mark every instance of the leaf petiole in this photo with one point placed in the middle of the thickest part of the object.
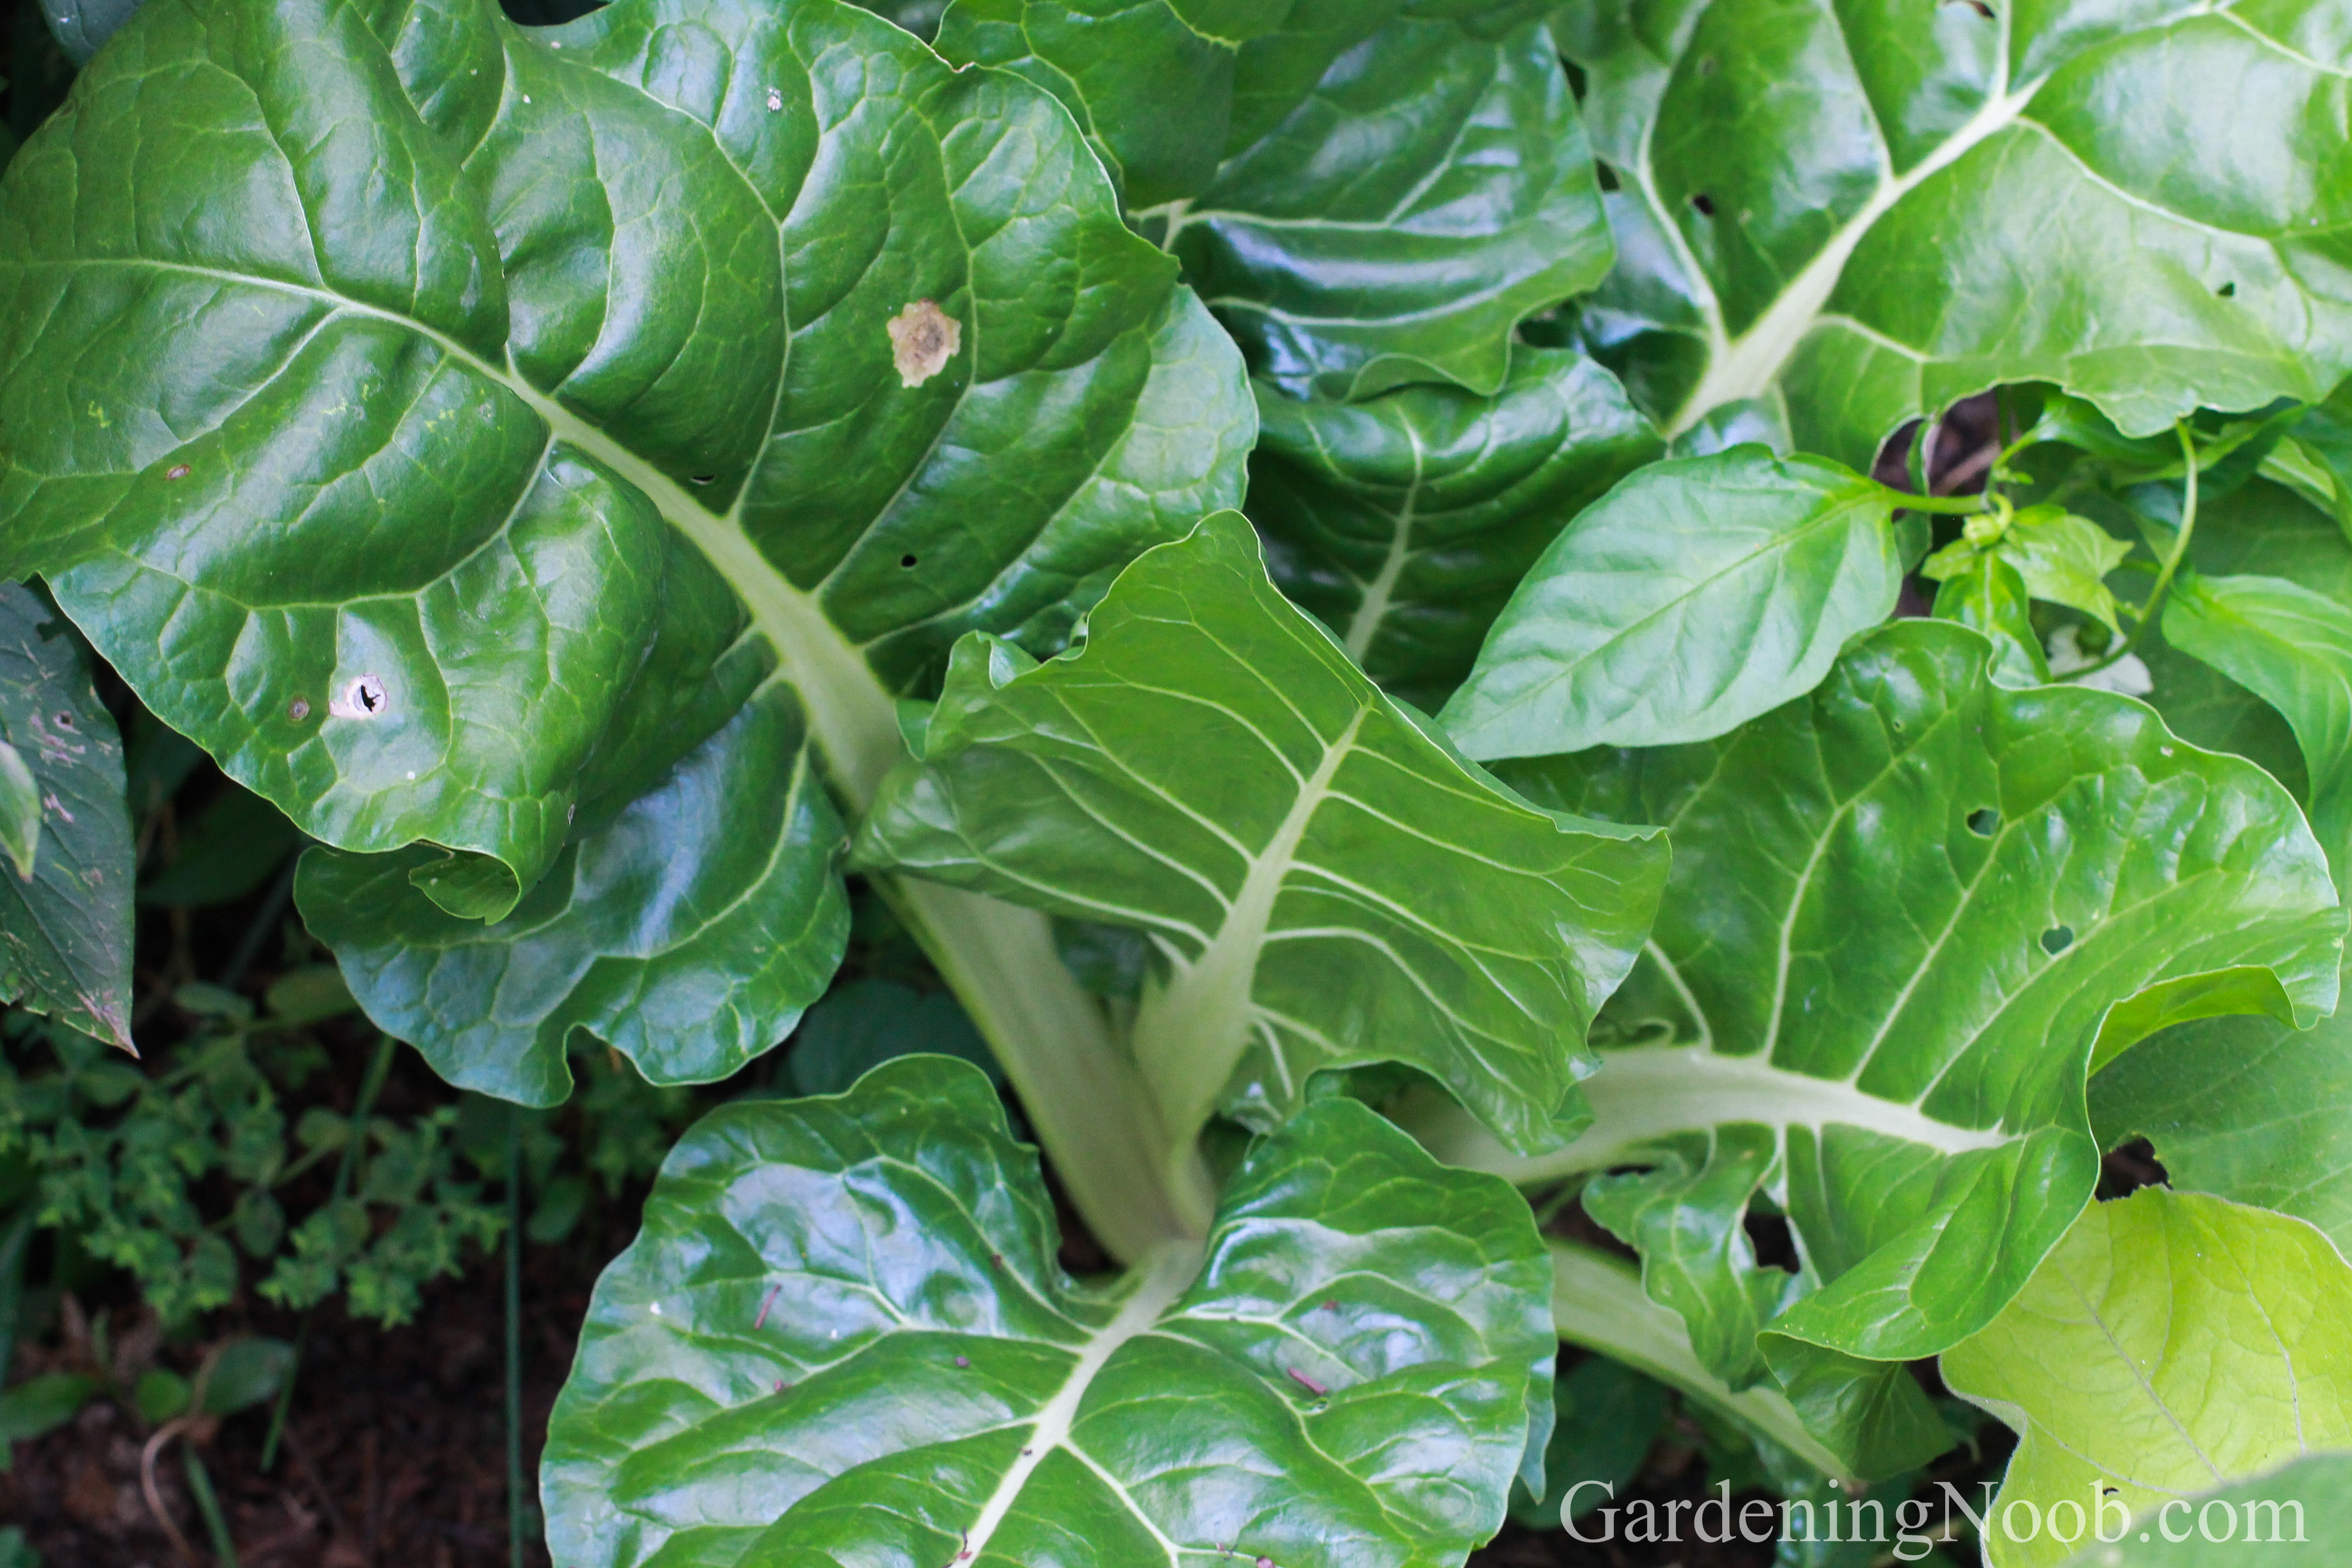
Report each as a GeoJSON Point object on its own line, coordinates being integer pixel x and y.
{"type": "Point", "coordinates": [2145, 615]}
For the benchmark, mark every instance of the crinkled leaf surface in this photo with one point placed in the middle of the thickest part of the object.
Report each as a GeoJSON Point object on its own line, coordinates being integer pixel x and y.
{"type": "Point", "coordinates": [1325, 882]}
{"type": "Point", "coordinates": [2246, 1108]}
{"type": "Point", "coordinates": [2039, 871]}
{"type": "Point", "coordinates": [842, 1336]}
{"type": "Point", "coordinates": [64, 931]}
{"type": "Point", "coordinates": [1696, 594]}
{"type": "Point", "coordinates": [2171, 1343]}
{"type": "Point", "coordinates": [2145, 207]}
{"type": "Point", "coordinates": [449, 425]}
{"type": "Point", "coordinates": [1404, 522]}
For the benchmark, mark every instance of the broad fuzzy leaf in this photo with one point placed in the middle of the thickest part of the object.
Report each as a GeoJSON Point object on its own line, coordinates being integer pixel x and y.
{"type": "Point", "coordinates": [1904, 918]}
{"type": "Point", "coordinates": [449, 426]}
{"type": "Point", "coordinates": [65, 927]}
{"type": "Point", "coordinates": [2171, 1343]}
{"type": "Point", "coordinates": [842, 1337]}
{"type": "Point", "coordinates": [1368, 192]}
{"type": "Point", "coordinates": [1404, 522]}
{"type": "Point", "coordinates": [2143, 207]}
{"type": "Point", "coordinates": [1325, 883]}
{"type": "Point", "coordinates": [1696, 594]}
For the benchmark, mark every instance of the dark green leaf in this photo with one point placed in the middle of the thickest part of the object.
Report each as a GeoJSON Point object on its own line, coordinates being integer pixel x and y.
{"type": "Point", "coordinates": [524, 398]}
{"type": "Point", "coordinates": [229, 849]}
{"type": "Point", "coordinates": [868, 1022]}
{"type": "Point", "coordinates": [1327, 884]}
{"type": "Point", "coordinates": [43, 1403]}
{"type": "Point", "coordinates": [82, 27]}
{"type": "Point", "coordinates": [1696, 594]}
{"type": "Point", "coordinates": [246, 1371]}
{"type": "Point", "coordinates": [2140, 207]}
{"type": "Point", "coordinates": [1403, 523]}
{"type": "Point", "coordinates": [842, 1336]}
{"type": "Point", "coordinates": [1606, 1416]}
{"type": "Point", "coordinates": [65, 932]}
{"type": "Point", "coordinates": [2042, 877]}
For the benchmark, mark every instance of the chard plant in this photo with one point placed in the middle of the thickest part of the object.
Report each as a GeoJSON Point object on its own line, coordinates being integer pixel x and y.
{"type": "Point", "coordinates": [609, 482]}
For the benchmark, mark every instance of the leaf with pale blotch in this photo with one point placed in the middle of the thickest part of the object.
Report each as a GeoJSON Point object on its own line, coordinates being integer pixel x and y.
{"type": "Point", "coordinates": [65, 928]}
{"type": "Point", "coordinates": [2045, 876]}
{"type": "Point", "coordinates": [504, 405]}
{"type": "Point", "coordinates": [2140, 206]}
{"type": "Point", "coordinates": [2170, 1344]}
{"type": "Point", "coordinates": [842, 1336]}
{"type": "Point", "coordinates": [1324, 882]}
{"type": "Point", "coordinates": [1404, 522]}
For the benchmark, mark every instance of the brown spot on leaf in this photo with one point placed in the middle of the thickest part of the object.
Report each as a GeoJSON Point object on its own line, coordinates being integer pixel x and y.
{"type": "Point", "coordinates": [923, 338]}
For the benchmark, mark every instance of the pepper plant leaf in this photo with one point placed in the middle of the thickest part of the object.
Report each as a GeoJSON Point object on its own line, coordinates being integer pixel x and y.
{"type": "Point", "coordinates": [1368, 192]}
{"type": "Point", "coordinates": [2142, 210]}
{"type": "Point", "coordinates": [2171, 1343]}
{"type": "Point", "coordinates": [2063, 558]}
{"type": "Point", "coordinates": [65, 902]}
{"type": "Point", "coordinates": [842, 1336]}
{"type": "Point", "coordinates": [2046, 876]}
{"type": "Point", "coordinates": [1404, 522]}
{"type": "Point", "coordinates": [506, 414]}
{"type": "Point", "coordinates": [1988, 595]}
{"type": "Point", "coordinates": [1325, 882]}
{"type": "Point", "coordinates": [1699, 593]}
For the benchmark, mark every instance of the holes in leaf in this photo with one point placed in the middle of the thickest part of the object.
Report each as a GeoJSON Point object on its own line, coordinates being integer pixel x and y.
{"type": "Point", "coordinates": [1606, 175]}
{"type": "Point", "coordinates": [177, 471]}
{"type": "Point", "coordinates": [905, 561]}
{"type": "Point", "coordinates": [1705, 204]}
{"type": "Point", "coordinates": [298, 709]}
{"type": "Point", "coordinates": [1775, 1245]}
{"type": "Point", "coordinates": [365, 698]}
{"type": "Point", "coordinates": [2057, 940]}
{"type": "Point", "coordinates": [2227, 290]}
{"type": "Point", "coordinates": [65, 720]}
{"type": "Point", "coordinates": [1984, 822]}
{"type": "Point", "coordinates": [703, 479]}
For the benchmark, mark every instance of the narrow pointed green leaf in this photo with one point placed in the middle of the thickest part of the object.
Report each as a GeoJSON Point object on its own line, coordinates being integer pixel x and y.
{"type": "Point", "coordinates": [2171, 1343]}
{"type": "Point", "coordinates": [2045, 876]}
{"type": "Point", "coordinates": [65, 921]}
{"type": "Point", "coordinates": [2140, 208]}
{"type": "Point", "coordinates": [842, 1336]}
{"type": "Point", "coordinates": [1325, 882]}
{"type": "Point", "coordinates": [2245, 1109]}
{"type": "Point", "coordinates": [1696, 594]}
{"type": "Point", "coordinates": [1404, 522]}
{"type": "Point", "coordinates": [520, 397]}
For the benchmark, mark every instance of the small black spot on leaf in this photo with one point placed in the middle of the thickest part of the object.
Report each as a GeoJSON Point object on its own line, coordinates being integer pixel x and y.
{"type": "Point", "coordinates": [905, 561]}
{"type": "Point", "coordinates": [1707, 65]}
{"type": "Point", "coordinates": [298, 709]}
{"type": "Point", "coordinates": [1984, 822]}
{"type": "Point", "coordinates": [2057, 940]}
{"type": "Point", "coordinates": [1705, 204]}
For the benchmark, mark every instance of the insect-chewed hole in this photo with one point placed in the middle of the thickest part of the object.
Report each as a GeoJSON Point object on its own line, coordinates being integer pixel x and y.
{"type": "Point", "coordinates": [365, 698]}
{"type": "Point", "coordinates": [1774, 1242]}
{"type": "Point", "coordinates": [905, 561]}
{"type": "Point", "coordinates": [298, 709]}
{"type": "Point", "coordinates": [65, 720]}
{"type": "Point", "coordinates": [1984, 821]}
{"type": "Point", "coordinates": [1705, 204]}
{"type": "Point", "coordinates": [2227, 290]}
{"type": "Point", "coordinates": [2057, 940]}
{"type": "Point", "coordinates": [703, 479]}
{"type": "Point", "coordinates": [1605, 174]}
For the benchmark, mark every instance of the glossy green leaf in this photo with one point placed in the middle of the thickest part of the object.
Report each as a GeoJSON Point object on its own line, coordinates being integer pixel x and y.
{"type": "Point", "coordinates": [688, 934]}
{"type": "Point", "coordinates": [2301, 1514]}
{"type": "Point", "coordinates": [1404, 522]}
{"type": "Point", "coordinates": [2062, 558]}
{"type": "Point", "coordinates": [868, 1022]}
{"type": "Point", "coordinates": [64, 931]}
{"type": "Point", "coordinates": [2245, 1109]}
{"type": "Point", "coordinates": [1605, 1415]}
{"type": "Point", "coordinates": [842, 1337]}
{"type": "Point", "coordinates": [82, 27]}
{"type": "Point", "coordinates": [519, 399]}
{"type": "Point", "coordinates": [2173, 1342]}
{"type": "Point", "coordinates": [1906, 916]}
{"type": "Point", "coordinates": [1326, 883]}
{"type": "Point", "coordinates": [1988, 595]}
{"type": "Point", "coordinates": [1696, 594]}
{"type": "Point", "coordinates": [2139, 206]}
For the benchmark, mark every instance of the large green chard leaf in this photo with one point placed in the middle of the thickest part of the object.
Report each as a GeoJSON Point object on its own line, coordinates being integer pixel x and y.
{"type": "Point", "coordinates": [64, 920]}
{"type": "Point", "coordinates": [454, 427]}
{"type": "Point", "coordinates": [1696, 594]}
{"type": "Point", "coordinates": [1324, 881]}
{"type": "Point", "coordinates": [2144, 207]}
{"type": "Point", "coordinates": [2171, 1342]}
{"type": "Point", "coordinates": [842, 1337]}
{"type": "Point", "coordinates": [2303, 1512]}
{"type": "Point", "coordinates": [2043, 875]}
{"type": "Point", "coordinates": [1366, 192]}
{"type": "Point", "coordinates": [1404, 522]}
